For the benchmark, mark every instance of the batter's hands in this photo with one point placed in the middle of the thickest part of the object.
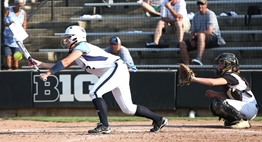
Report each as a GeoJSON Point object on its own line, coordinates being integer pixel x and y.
{"type": "Point", "coordinates": [43, 76]}
{"type": "Point", "coordinates": [210, 94]}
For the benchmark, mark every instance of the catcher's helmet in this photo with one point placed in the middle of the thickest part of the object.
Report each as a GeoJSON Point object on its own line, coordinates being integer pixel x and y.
{"type": "Point", "coordinates": [230, 60]}
{"type": "Point", "coordinates": [73, 35]}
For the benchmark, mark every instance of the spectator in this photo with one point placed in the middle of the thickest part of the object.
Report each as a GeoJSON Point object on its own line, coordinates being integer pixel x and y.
{"type": "Point", "coordinates": [173, 12]}
{"type": "Point", "coordinates": [18, 15]}
{"type": "Point", "coordinates": [236, 104]}
{"type": "Point", "coordinates": [152, 7]}
{"type": "Point", "coordinates": [117, 49]}
{"type": "Point", "coordinates": [205, 33]}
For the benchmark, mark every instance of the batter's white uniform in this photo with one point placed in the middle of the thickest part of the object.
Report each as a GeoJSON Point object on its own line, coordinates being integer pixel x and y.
{"type": "Point", "coordinates": [112, 72]}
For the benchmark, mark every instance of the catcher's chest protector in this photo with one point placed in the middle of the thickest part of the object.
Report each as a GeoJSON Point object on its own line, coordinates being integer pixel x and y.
{"type": "Point", "coordinates": [235, 91]}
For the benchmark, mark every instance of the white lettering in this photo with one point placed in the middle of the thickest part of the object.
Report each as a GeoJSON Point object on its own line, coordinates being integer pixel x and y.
{"type": "Point", "coordinates": [66, 95]}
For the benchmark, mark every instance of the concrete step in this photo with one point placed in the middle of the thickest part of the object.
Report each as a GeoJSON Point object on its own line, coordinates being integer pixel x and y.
{"type": "Point", "coordinates": [38, 42]}
{"type": "Point", "coordinates": [41, 42]}
{"type": "Point", "coordinates": [50, 25]}
{"type": "Point", "coordinates": [48, 18]}
{"type": "Point", "coordinates": [152, 22]}
{"type": "Point", "coordinates": [217, 7]}
{"type": "Point", "coordinates": [208, 57]}
{"type": "Point", "coordinates": [247, 57]}
{"type": "Point", "coordinates": [42, 32]}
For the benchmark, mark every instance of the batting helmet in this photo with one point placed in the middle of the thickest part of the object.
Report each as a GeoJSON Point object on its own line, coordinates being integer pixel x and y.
{"type": "Point", "coordinates": [230, 61]}
{"type": "Point", "coordinates": [73, 35]}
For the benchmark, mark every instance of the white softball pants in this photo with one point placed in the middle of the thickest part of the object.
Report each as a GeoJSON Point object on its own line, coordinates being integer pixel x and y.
{"type": "Point", "coordinates": [116, 79]}
{"type": "Point", "coordinates": [248, 109]}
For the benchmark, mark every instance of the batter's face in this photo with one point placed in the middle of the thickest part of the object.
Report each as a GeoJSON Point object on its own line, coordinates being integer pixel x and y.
{"type": "Point", "coordinates": [115, 48]}
{"type": "Point", "coordinates": [65, 42]}
{"type": "Point", "coordinates": [202, 7]}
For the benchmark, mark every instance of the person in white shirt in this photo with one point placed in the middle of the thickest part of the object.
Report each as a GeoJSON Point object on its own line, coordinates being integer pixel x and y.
{"type": "Point", "coordinates": [152, 7]}
{"type": "Point", "coordinates": [173, 12]}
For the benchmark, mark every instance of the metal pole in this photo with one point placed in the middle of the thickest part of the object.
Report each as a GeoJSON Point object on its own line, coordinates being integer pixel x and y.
{"type": "Point", "coordinates": [66, 3]}
{"type": "Point", "coordinates": [1, 25]}
{"type": "Point", "coordinates": [52, 10]}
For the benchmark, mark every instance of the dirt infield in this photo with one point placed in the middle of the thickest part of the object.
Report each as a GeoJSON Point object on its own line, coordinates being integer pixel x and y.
{"type": "Point", "coordinates": [177, 130]}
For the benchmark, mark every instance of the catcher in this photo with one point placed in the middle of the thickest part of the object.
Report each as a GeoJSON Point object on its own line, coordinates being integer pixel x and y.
{"type": "Point", "coordinates": [237, 104]}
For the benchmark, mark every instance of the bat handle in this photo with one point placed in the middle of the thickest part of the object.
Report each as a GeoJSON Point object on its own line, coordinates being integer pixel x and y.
{"type": "Point", "coordinates": [32, 62]}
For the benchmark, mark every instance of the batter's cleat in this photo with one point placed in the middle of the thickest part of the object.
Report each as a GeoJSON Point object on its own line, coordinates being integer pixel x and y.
{"type": "Point", "coordinates": [159, 125]}
{"type": "Point", "coordinates": [100, 128]}
{"type": "Point", "coordinates": [242, 124]}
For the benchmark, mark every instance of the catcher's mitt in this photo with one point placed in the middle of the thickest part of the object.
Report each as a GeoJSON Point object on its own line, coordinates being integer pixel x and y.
{"type": "Point", "coordinates": [186, 75]}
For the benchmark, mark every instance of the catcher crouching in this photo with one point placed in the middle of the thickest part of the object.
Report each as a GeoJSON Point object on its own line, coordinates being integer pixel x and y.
{"type": "Point", "coordinates": [236, 104]}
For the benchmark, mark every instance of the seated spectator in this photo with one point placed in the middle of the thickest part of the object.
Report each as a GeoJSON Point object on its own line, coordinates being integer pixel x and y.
{"type": "Point", "coordinates": [173, 13]}
{"type": "Point", "coordinates": [152, 7]}
{"type": "Point", "coordinates": [116, 48]}
{"type": "Point", "coordinates": [205, 33]}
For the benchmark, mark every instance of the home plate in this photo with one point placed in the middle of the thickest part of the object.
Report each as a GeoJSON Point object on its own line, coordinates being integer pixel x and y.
{"type": "Point", "coordinates": [134, 131]}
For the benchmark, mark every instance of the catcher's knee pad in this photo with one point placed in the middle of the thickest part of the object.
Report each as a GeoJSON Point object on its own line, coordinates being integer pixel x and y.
{"type": "Point", "coordinates": [220, 107]}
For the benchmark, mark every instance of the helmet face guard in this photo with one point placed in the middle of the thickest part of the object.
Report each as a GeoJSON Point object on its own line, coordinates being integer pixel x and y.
{"type": "Point", "coordinates": [68, 41]}
{"type": "Point", "coordinates": [230, 62]}
{"type": "Point", "coordinates": [73, 35]}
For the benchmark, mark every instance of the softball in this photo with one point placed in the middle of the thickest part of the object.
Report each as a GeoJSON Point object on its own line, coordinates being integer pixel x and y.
{"type": "Point", "coordinates": [18, 55]}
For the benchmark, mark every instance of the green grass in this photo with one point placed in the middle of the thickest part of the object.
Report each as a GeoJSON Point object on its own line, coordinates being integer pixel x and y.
{"type": "Point", "coordinates": [66, 119]}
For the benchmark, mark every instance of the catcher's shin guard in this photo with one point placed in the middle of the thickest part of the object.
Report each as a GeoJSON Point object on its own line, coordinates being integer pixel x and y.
{"type": "Point", "coordinates": [220, 108]}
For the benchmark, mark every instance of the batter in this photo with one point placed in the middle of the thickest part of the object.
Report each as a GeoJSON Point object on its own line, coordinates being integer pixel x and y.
{"type": "Point", "coordinates": [113, 76]}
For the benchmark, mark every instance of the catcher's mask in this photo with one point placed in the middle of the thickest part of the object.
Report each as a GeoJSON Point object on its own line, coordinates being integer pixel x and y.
{"type": "Point", "coordinates": [73, 35]}
{"type": "Point", "coordinates": [230, 62]}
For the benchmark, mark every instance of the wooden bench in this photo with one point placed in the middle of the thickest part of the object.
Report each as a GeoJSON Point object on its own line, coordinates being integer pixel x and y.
{"type": "Point", "coordinates": [230, 36]}
{"type": "Point", "coordinates": [151, 33]}
{"type": "Point", "coordinates": [114, 4]}
{"type": "Point", "coordinates": [168, 49]}
{"type": "Point", "coordinates": [151, 18]}
{"type": "Point", "coordinates": [168, 67]}
{"type": "Point", "coordinates": [116, 18]}
{"type": "Point", "coordinates": [57, 52]}
{"type": "Point", "coordinates": [113, 33]}
{"type": "Point", "coordinates": [187, 2]}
